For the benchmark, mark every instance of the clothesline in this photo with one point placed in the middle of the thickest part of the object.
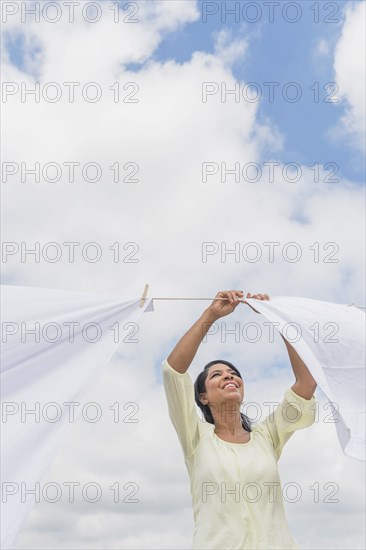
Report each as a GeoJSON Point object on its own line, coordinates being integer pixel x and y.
{"type": "Point", "coordinates": [224, 299]}
{"type": "Point", "coordinates": [146, 288]}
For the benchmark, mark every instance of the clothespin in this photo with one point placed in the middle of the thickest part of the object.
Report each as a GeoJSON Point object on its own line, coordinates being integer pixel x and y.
{"type": "Point", "coordinates": [144, 294]}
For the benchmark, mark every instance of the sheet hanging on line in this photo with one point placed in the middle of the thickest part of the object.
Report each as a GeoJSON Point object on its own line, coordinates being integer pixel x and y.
{"type": "Point", "coordinates": [330, 339]}
{"type": "Point", "coordinates": [55, 345]}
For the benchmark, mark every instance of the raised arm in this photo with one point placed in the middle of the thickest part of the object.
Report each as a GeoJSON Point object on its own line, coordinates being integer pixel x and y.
{"type": "Point", "coordinates": [183, 354]}
{"type": "Point", "coordinates": [305, 384]}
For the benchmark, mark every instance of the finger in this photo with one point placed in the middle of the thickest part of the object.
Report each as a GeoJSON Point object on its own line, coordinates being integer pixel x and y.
{"type": "Point", "coordinates": [232, 297]}
{"type": "Point", "coordinates": [237, 294]}
{"type": "Point", "coordinates": [226, 294]}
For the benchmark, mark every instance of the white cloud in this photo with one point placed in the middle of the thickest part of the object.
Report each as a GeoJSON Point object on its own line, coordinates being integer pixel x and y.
{"type": "Point", "coordinates": [349, 67]}
{"type": "Point", "coordinates": [229, 49]}
{"type": "Point", "coordinates": [170, 132]}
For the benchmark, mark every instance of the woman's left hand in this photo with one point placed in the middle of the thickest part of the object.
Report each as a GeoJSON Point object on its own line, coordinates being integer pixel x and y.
{"type": "Point", "coordinates": [257, 297]}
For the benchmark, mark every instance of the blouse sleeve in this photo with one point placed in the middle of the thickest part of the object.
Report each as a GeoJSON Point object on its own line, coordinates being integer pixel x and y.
{"type": "Point", "coordinates": [293, 413]}
{"type": "Point", "coordinates": [179, 391]}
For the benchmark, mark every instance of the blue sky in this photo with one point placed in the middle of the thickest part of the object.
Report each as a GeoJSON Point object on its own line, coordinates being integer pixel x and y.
{"type": "Point", "coordinates": [279, 51]}
{"type": "Point", "coordinates": [282, 52]}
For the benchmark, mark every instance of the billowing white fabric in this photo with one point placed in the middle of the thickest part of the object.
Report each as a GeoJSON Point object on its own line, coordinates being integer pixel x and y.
{"type": "Point", "coordinates": [330, 339]}
{"type": "Point", "coordinates": [43, 372]}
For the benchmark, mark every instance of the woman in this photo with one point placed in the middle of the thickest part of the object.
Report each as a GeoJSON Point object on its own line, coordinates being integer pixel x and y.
{"type": "Point", "coordinates": [235, 485]}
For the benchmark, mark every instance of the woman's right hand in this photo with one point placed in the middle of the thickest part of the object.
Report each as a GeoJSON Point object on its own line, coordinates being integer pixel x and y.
{"type": "Point", "coordinates": [220, 308]}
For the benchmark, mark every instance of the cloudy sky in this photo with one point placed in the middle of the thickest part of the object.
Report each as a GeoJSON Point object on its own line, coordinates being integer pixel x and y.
{"type": "Point", "coordinates": [175, 143]}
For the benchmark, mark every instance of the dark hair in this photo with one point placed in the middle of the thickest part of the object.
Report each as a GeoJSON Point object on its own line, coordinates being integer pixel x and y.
{"type": "Point", "coordinates": [200, 387]}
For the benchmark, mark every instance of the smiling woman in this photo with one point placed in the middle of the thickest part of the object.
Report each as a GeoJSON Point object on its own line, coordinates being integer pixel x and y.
{"type": "Point", "coordinates": [210, 377]}
{"type": "Point", "coordinates": [235, 484]}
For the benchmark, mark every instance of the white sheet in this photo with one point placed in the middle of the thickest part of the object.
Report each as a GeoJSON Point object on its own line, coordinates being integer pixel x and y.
{"type": "Point", "coordinates": [35, 373]}
{"type": "Point", "coordinates": [330, 339]}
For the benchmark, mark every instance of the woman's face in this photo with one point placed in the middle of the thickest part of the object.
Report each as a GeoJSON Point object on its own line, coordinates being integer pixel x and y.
{"type": "Point", "coordinates": [222, 385]}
